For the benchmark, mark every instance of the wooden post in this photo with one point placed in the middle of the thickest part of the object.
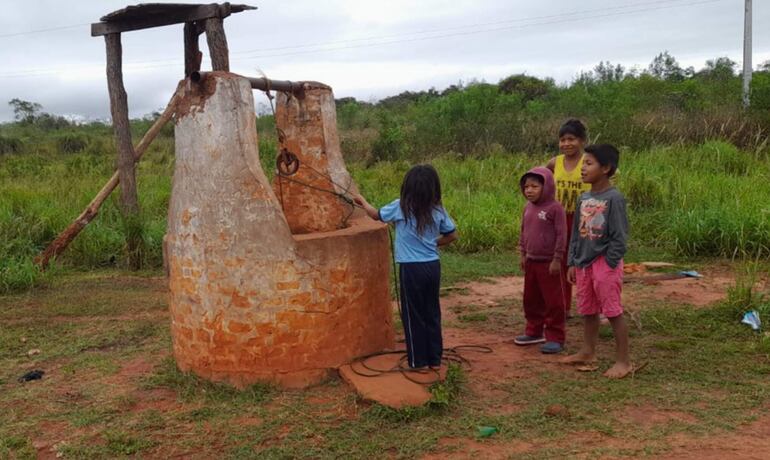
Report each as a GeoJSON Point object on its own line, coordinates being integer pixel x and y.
{"type": "Point", "coordinates": [215, 36]}
{"type": "Point", "coordinates": [61, 242]}
{"type": "Point", "coordinates": [129, 203]}
{"type": "Point", "coordinates": [192, 52]}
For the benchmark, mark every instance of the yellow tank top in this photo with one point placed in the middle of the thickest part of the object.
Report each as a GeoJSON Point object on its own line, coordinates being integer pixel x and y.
{"type": "Point", "coordinates": [569, 186]}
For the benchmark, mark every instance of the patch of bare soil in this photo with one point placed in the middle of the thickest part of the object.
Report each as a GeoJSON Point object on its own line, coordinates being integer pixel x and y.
{"type": "Point", "coordinates": [712, 287]}
{"type": "Point", "coordinates": [160, 399]}
{"type": "Point", "coordinates": [463, 448]}
{"type": "Point", "coordinates": [50, 432]}
{"type": "Point", "coordinates": [749, 442]}
{"type": "Point", "coordinates": [698, 292]}
{"type": "Point", "coordinates": [648, 416]}
{"type": "Point", "coordinates": [486, 293]}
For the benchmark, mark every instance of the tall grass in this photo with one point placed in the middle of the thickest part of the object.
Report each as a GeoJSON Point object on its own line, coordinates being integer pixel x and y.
{"type": "Point", "coordinates": [709, 200]}
{"type": "Point", "coordinates": [687, 193]}
{"type": "Point", "coordinates": [685, 200]}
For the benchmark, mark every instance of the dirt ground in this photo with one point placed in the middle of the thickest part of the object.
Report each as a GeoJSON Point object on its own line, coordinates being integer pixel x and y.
{"type": "Point", "coordinates": [507, 362]}
{"type": "Point", "coordinates": [474, 313]}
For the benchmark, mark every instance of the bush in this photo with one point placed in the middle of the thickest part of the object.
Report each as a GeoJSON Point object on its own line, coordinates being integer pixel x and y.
{"type": "Point", "coordinates": [529, 88]}
{"type": "Point", "coordinates": [68, 143]}
{"type": "Point", "coordinates": [391, 141]}
{"type": "Point", "coordinates": [760, 91]}
{"type": "Point", "coordinates": [17, 274]}
{"type": "Point", "coordinates": [10, 145]}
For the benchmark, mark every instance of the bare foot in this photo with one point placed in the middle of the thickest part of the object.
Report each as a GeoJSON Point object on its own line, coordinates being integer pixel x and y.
{"type": "Point", "coordinates": [578, 358]}
{"type": "Point", "coordinates": [619, 370]}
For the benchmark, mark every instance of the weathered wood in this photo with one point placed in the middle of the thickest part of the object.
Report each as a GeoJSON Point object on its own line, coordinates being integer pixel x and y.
{"type": "Point", "coordinates": [129, 202]}
{"type": "Point", "coordinates": [268, 84]}
{"type": "Point", "coordinates": [217, 41]}
{"type": "Point", "coordinates": [61, 242]}
{"type": "Point", "coordinates": [192, 52]}
{"type": "Point", "coordinates": [156, 15]}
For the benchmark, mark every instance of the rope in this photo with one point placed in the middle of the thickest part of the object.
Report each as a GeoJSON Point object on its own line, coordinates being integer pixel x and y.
{"type": "Point", "coordinates": [450, 355]}
{"type": "Point", "coordinates": [278, 132]}
{"type": "Point", "coordinates": [281, 176]}
{"type": "Point", "coordinates": [395, 270]}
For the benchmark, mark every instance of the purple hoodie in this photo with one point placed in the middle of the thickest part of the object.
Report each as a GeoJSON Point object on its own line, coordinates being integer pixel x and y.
{"type": "Point", "coordinates": [543, 223]}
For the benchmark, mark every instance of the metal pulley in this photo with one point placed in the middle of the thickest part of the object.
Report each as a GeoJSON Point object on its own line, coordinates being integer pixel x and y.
{"type": "Point", "coordinates": [286, 163]}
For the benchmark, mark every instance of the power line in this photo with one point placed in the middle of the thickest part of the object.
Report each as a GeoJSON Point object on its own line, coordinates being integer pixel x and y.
{"type": "Point", "coordinates": [561, 18]}
{"type": "Point", "coordinates": [570, 14]}
{"type": "Point", "coordinates": [50, 29]}
{"type": "Point", "coordinates": [474, 32]}
{"type": "Point", "coordinates": [75, 26]}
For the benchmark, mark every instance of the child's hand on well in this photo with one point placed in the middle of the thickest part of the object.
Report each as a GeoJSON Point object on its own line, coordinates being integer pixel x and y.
{"type": "Point", "coordinates": [571, 275]}
{"type": "Point", "coordinates": [555, 267]}
{"type": "Point", "coordinates": [371, 211]}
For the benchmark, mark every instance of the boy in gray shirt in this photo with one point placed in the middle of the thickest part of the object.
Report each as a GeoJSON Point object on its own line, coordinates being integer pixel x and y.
{"type": "Point", "coordinates": [595, 258]}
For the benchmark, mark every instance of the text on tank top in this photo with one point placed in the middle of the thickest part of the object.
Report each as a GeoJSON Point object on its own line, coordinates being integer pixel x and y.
{"type": "Point", "coordinates": [569, 186]}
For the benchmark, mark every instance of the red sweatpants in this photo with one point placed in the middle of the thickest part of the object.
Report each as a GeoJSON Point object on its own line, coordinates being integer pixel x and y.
{"type": "Point", "coordinates": [544, 302]}
{"type": "Point", "coordinates": [566, 286]}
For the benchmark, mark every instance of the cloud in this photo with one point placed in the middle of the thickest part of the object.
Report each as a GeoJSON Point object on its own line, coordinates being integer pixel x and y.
{"type": "Point", "coordinates": [366, 49]}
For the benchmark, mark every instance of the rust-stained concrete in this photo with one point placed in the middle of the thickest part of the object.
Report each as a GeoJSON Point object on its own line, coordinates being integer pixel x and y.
{"type": "Point", "coordinates": [249, 300]}
{"type": "Point", "coordinates": [309, 122]}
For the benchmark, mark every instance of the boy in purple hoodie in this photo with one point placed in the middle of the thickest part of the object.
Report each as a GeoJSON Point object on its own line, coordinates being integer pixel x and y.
{"type": "Point", "coordinates": [542, 245]}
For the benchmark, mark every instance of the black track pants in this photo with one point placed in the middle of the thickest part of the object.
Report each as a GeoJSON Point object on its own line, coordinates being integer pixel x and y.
{"type": "Point", "coordinates": [421, 313]}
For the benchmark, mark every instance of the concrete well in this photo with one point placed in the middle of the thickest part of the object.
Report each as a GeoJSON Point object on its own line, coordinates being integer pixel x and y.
{"type": "Point", "coordinates": [250, 299]}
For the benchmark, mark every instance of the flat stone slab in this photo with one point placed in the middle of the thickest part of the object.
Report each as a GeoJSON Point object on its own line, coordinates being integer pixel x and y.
{"type": "Point", "coordinates": [388, 386]}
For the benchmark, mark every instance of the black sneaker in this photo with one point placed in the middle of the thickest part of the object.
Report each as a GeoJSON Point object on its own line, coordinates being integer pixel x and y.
{"type": "Point", "coordinates": [551, 348]}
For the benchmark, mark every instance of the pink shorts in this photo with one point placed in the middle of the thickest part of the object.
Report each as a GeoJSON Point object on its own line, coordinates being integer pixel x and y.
{"type": "Point", "coordinates": [599, 287]}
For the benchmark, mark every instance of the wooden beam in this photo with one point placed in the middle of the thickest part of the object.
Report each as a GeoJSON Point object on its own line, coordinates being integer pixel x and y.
{"type": "Point", "coordinates": [192, 52]}
{"type": "Point", "coordinates": [217, 41]}
{"type": "Point", "coordinates": [129, 203]}
{"type": "Point", "coordinates": [61, 242]}
{"type": "Point", "coordinates": [173, 17]}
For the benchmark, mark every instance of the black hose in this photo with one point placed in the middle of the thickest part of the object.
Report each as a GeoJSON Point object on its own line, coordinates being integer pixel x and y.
{"type": "Point", "coordinates": [451, 355]}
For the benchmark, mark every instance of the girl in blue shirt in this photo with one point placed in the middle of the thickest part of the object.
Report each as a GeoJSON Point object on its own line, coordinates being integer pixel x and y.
{"type": "Point", "coordinates": [422, 226]}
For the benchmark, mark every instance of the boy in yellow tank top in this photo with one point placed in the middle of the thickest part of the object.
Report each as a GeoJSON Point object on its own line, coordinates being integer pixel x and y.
{"type": "Point", "coordinates": [569, 185]}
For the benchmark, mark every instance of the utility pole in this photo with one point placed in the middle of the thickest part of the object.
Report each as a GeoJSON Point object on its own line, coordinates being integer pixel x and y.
{"type": "Point", "coordinates": [747, 55]}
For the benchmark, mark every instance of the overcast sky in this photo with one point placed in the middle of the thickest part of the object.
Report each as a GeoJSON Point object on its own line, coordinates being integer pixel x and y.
{"type": "Point", "coordinates": [363, 48]}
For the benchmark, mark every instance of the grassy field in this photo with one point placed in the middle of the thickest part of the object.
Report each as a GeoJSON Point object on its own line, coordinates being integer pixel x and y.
{"type": "Point", "coordinates": [112, 390]}
{"type": "Point", "coordinates": [710, 200]}
{"type": "Point", "coordinates": [101, 334]}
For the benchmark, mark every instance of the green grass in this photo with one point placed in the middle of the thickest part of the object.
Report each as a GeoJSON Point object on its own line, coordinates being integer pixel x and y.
{"type": "Point", "coordinates": [188, 386]}
{"type": "Point", "coordinates": [474, 266]}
